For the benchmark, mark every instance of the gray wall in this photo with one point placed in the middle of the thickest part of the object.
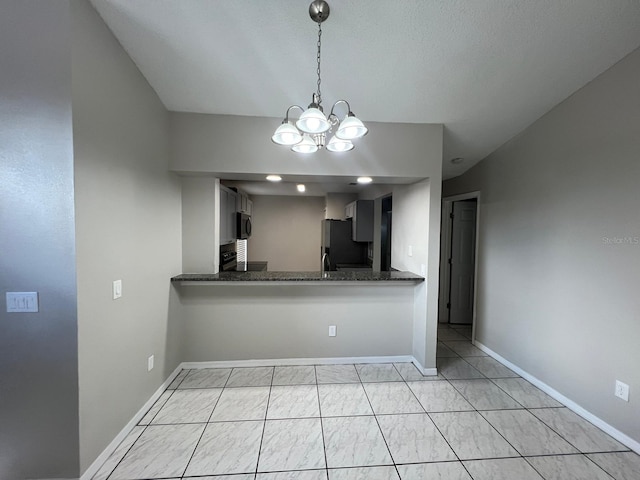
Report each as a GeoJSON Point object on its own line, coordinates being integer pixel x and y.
{"type": "Point", "coordinates": [224, 144]}
{"type": "Point", "coordinates": [38, 351]}
{"type": "Point", "coordinates": [335, 203]}
{"type": "Point", "coordinates": [557, 293]}
{"type": "Point", "coordinates": [128, 212]}
{"type": "Point", "coordinates": [228, 146]}
{"type": "Point", "coordinates": [286, 232]}
{"type": "Point", "coordinates": [200, 237]}
{"type": "Point", "coordinates": [416, 218]}
{"type": "Point", "coordinates": [291, 321]}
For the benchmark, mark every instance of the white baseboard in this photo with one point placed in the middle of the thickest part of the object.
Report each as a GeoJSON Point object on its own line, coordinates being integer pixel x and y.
{"type": "Point", "coordinates": [280, 362]}
{"type": "Point", "coordinates": [425, 371]}
{"type": "Point", "coordinates": [106, 453]}
{"type": "Point", "coordinates": [570, 404]}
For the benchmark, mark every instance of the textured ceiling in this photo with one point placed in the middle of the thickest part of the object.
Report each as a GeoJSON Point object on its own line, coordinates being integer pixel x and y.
{"type": "Point", "coordinates": [486, 69]}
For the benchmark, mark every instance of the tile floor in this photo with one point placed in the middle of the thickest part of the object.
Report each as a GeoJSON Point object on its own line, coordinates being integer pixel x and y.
{"type": "Point", "coordinates": [477, 420]}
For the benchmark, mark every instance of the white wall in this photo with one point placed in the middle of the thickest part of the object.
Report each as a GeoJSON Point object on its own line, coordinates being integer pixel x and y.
{"type": "Point", "coordinates": [286, 232]}
{"type": "Point", "coordinates": [38, 351]}
{"type": "Point", "coordinates": [292, 321]}
{"type": "Point", "coordinates": [128, 227]}
{"type": "Point", "coordinates": [557, 296]}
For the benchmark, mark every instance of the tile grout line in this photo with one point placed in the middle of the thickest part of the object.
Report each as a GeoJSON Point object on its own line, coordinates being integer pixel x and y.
{"type": "Point", "coordinates": [324, 445]}
{"type": "Point", "coordinates": [434, 424]}
{"type": "Point", "coordinates": [436, 427]}
{"type": "Point", "coordinates": [395, 466]}
{"type": "Point", "coordinates": [478, 413]}
{"type": "Point", "coordinates": [569, 442]}
{"type": "Point", "coordinates": [144, 429]}
{"type": "Point", "coordinates": [264, 425]}
{"type": "Point", "coordinates": [522, 407]}
{"type": "Point", "coordinates": [186, 467]}
{"type": "Point", "coordinates": [527, 410]}
{"type": "Point", "coordinates": [490, 424]}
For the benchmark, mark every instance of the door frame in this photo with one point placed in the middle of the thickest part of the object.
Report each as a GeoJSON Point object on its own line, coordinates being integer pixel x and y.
{"type": "Point", "coordinates": [445, 253]}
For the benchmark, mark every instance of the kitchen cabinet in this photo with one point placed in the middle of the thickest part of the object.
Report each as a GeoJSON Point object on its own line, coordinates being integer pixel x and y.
{"type": "Point", "coordinates": [243, 203]}
{"type": "Point", "coordinates": [349, 210]}
{"type": "Point", "coordinates": [228, 200]}
{"type": "Point", "coordinates": [361, 214]}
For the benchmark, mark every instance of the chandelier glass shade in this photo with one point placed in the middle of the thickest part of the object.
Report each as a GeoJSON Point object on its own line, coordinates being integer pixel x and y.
{"type": "Point", "coordinates": [311, 130]}
{"type": "Point", "coordinates": [337, 144]}
{"type": "Point", "coordinates": [287, 134]}
{"type": "Point", "coordinates": [313, 121]}
{"type": "Point", "coordinates": [306, 145]}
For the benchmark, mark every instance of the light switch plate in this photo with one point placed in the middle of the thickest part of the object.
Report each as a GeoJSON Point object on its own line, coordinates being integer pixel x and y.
{"type": "Point", "coordinates": [117, 289]}
{"type": "Point", "coordinates": [332, 330]}
{"type": "Point", "coordinates": [410, 251]}
{"type": "Point", "coordinates": [22, 302]}
{"type": "Point", "coordinates": [150, 362]}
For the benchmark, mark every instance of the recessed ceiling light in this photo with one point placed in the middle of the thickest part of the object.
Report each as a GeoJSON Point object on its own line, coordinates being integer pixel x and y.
{"type": "Point", "coordinates": [301, 188]}
{"type": "Point", "coordinates": [365, 179]}
{"type": "Point", "coordinates": [457, 160]}
{"type": "Point", "coordinates": [274, 178]}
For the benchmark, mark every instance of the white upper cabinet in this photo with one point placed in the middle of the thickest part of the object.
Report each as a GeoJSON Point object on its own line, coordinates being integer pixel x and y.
{"type": "Point", "coordinates": [243, 203]}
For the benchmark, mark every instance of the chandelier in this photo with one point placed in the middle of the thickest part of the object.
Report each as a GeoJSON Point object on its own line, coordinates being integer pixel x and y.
{"type": "Point", "coordinates": [310, 132]}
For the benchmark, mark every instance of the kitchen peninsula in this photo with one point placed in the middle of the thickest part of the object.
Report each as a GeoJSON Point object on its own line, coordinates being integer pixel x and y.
{"type": "Point", "coordinates": [271, 317]}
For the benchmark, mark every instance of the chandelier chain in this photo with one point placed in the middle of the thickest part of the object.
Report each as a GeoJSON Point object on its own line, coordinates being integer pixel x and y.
{"type": "Point", "coordinates": [313, 129]}
{"type": "Point", "coordinates": [318, 59]}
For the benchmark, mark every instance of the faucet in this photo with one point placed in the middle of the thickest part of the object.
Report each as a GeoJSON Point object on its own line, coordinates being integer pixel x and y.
{"type": "Point", "coordinates": [322, 271]}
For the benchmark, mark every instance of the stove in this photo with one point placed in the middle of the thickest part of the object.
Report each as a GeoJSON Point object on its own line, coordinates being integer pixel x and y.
{"type": "Point", "coordinates": [228, 261]}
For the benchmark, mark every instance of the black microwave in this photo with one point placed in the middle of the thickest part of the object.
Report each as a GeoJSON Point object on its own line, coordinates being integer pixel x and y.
{"type": "Point", "coordinates": [243, 223]}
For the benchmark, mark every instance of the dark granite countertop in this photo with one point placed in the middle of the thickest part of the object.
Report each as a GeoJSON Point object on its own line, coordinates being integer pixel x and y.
{"type": "Point", "coordinates": [266, 276]}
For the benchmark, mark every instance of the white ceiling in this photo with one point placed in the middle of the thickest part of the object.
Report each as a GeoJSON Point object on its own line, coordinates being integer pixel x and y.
{"type": "Point", "coordinates": [486, 69]}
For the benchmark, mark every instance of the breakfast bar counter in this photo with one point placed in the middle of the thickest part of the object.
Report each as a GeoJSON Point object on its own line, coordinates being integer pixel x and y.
{"type": "Point", "coordinates": [295, 277]}
{"type": "Point", "coordinates": [239, 316]}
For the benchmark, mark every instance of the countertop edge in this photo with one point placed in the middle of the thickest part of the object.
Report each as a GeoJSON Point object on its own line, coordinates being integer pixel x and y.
{"type": "Point", "coordinates": [293, 278]}
{"type": "Point", "coordinates": [257, 283]}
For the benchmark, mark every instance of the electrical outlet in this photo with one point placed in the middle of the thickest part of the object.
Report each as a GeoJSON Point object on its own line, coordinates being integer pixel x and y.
{"type": "Point", "coordinates": [150, 363]}
{"type": "Point", "coordinates": [622, 390]}
{"type": "Point", "coordinates": [332, 330]}
{"type": "Point", "coordinates": [117, 289]}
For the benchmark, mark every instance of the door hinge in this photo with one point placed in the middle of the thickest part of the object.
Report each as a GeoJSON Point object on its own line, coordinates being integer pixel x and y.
{"type": "Point", "coordinates": [449, 305]}
{"type": "Point", "coordinates": [451, 215]}
{"type": "Point", "coordinates": [449, 261]}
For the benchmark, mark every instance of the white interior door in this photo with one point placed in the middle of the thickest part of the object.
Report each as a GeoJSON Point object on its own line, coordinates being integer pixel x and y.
{"type": "Point", "coordinates": [463, 247]}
